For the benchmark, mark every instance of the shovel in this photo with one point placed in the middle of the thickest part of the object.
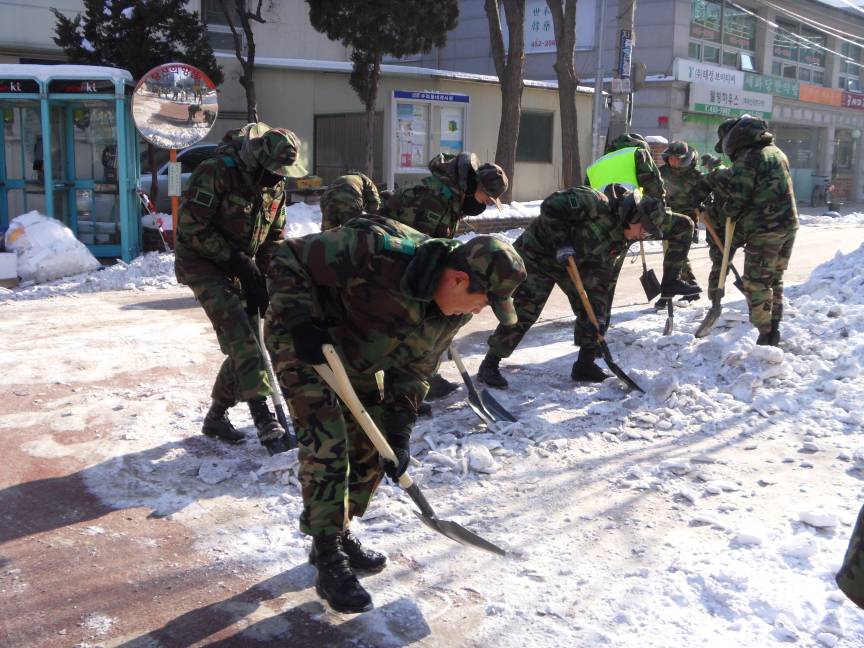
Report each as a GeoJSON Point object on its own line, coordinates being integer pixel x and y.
{"type": "Point", "coordinates": [604, 348]}
{"type": "Point", "coordinates": [648, 279]}
{"type": "Point", "coordinates": [483, 403]}
{"type": "Point", "coordinates": [714, 312]}
{"type": "Point", "coordinates": [738, 283]}
{"type": "Point", "coordinates": [334, 375]}
{"type": "Point", "coordinates": [289, 441]}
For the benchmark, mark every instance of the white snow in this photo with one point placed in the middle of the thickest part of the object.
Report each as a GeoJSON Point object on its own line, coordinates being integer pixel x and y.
{"type": "Point", "coordinates": [711, 511]}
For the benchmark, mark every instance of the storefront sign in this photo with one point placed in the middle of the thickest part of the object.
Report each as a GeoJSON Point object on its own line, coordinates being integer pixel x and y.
{"type": "Point", "coordinates": [703, 73]}
{"type": "Point", "coordinates": [855, 101]}
{"type": "Point", "coordinates": [771, 85]}
{"type": "Point", "coordinates": [19, 86]}
{"type": "Point", "coordinates": [427, 95]}
{"type": "Point", "coordinates": [817, 94]}
{"type": "Point", "coordinates": [729, 102]}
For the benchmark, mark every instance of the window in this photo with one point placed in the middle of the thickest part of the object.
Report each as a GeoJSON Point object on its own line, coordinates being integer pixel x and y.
{"type": "Point", "coordinates": [218, 32]}
{"type": "Point", "coordinates": [850, 74]}
{"type": "Point", "coordinates": [799, 52]}
{"type": "Point", "coordinates": [535, 137]}
{"type": "Point", "coordinates": [723, 34]}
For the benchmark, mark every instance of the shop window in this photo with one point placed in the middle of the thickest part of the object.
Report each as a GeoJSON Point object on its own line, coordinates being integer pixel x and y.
{"type": "Point", "coordinates": [798, 52]}
{"type": "Point", "coordinates": [340, 145]}
{"type": "Point", "coordinates": [721, 33]}
{"type": "Point", "coordinates": [535, 137]}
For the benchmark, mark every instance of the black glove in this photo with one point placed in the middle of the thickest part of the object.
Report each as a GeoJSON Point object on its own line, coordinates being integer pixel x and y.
{"type": "Point", "coordinates": [308, 339]}
{"type": "Point", "coordinates": [564, 253]}
{"type": "Point", "coordinates": [399, 444]}
{"type": "Point", "coordinates": [252, 281]}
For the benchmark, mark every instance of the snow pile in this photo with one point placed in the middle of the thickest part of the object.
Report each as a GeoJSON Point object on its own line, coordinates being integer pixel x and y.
{"type": "Point", "coordinates": [153, 270]}
{"type": "Point", "coordinates": [46, 248]}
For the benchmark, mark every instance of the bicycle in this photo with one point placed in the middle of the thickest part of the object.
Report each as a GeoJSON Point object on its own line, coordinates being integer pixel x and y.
{"type": "Point", "coordinates": [823, 193]}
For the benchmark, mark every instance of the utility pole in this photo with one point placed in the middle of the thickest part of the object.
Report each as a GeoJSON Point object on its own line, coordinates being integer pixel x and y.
{"type": "Point", "coordinates": [598, 84]}
{"type": "Point", "coordinates": [622, 90]}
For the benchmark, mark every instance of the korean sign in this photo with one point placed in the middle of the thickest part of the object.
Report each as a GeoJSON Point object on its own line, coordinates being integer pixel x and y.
{"type": "Point", "coordinates": [729, 102]}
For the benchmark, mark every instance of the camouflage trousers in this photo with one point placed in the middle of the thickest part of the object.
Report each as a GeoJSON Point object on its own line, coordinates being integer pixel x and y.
{"type": "Point", "coordinates": [339, 466]}
{"type": "Point", "coordinates": [676, 232]}
{"type": "Point", "coordinates": [242, 376]}
{"type": "Point", "coordinates": [850, 578]}
{"type": "Point", "coordinates": [544, 273]}
{"type": "Point", "coordinates": [766, 259]}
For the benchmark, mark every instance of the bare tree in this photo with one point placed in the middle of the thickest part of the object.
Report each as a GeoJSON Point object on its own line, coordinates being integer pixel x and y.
{"type": "Point", "coordinates": [564, 21]}
{"type": "Point", "coordinates": [509, 66]}
{"type": "Point", "coordinates": [237, 9]}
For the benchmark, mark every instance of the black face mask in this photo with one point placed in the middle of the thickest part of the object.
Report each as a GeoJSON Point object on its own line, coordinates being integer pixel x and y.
{"type": "Point", "coordinates": [269, 179]}
{"type": "Point", "coordinates": [471, 206]}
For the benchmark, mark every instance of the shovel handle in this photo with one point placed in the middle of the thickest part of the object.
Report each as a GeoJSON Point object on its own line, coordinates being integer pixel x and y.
{"type": "Point", "coordinates": [334, 374]}
{"type": "Point", "coordinates": [573, 271]}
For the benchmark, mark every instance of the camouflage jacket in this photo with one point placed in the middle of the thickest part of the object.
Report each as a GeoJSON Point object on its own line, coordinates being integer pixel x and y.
{"type": "Point", "coordinates": [223, 208]}
{"type": "Point", "coordinates": [434, 205]}
{"type": "Point", "coordinates": [685, 187]}
{"type": "Point", "coordinates": [756, 190]}
{"type": "Point", "coordinates": [581, 217]}
{"type": "Point", "coordinates": [347, 197]}
{"type": "Point", "coordinates": [371, 282]}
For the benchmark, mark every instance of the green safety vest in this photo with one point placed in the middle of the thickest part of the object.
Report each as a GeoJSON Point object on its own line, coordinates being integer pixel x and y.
{"type": "Point", "coordinates": [615, 167]}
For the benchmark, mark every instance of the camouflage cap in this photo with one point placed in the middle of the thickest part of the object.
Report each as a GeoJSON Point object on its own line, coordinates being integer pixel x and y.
{"type": "Point", "coordinates": [275, 149]}
{"type": "Point", "coordinates": [496, 268]}
{"type": "Point", "coordinates": [493, 181]}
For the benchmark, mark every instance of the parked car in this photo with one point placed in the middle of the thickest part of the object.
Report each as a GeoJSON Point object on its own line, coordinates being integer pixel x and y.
{"type": "Point", "coordinates": [189, 158]}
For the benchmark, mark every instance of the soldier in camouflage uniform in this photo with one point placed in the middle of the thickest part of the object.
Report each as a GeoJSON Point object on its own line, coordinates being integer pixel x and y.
{"type": "Point", "coordinates": [347, 197]}
{"type": "Point", "coordinates": [597, 230]}
{"type": "Point", "coordinates": [686, 188]}
{"type": "Point", "coordinates": [459, 186]}
{"type": "Point", "coordinates": [850, 578]}
{"type": "Point", "coordinates": [646, 176]}
{"type": "Point", "coordinates": [389, 299]}
{"type": "Point", "coordinates": [756, 192]}
{"type": "Point", "coordinates": [231, 216]}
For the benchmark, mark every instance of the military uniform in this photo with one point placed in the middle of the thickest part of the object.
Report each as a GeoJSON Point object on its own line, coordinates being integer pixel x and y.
{"type": "Point", "coordinates": [225, 213]}
{"type": "Point", "coordinates": [676, 230]}
{"type": "Point", "coordinates": [756, 192]}
{"type": "Point", "coordinates": [581, 218]}
{"type": "Point", "coordinates": [347, 197]}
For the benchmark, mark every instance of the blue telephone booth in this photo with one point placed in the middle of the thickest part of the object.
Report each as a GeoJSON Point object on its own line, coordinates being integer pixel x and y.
{"type": "Point", "coordinates": [70, 151]}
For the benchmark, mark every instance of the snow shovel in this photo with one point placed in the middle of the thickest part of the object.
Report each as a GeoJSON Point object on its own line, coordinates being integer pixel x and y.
{"type": "Point", "coordinates": [649, 281]}
{"type": "Point", "coordinates": [483, 403]}
{"type": "Point", "coordinates": [334, 375]}
{"type": "Point", "coordinates": [290, 441]}
{"type": "Point", "coordinates": [670, 317]}
{"type": "Point", "coordinates": [739, 283]}
{"type": "Point", "coordinates": [714, 312]}
{"type": "Point", "coordinates": [604, 348]}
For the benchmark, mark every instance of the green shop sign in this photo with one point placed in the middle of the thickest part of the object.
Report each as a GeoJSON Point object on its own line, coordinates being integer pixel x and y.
{"type": "Point", "coordinates": [771, 85]}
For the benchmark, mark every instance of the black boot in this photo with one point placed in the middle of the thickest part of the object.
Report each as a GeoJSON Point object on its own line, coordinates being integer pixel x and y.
{"type": "Point", "coordinates": [216, 424]}
{"type": "Point", "coordinates": [671, 287]}
{"type": "Point", "coordinates": [584, 369]}
{"type": "Point", "coordinates": [489, 372]}
{"type": "Point", "coordinates": [270, 433]}
{"type": "Point", "coordinates": [336, 582]}
{"type": "Point", "coordinates": [359, 558]}
{"type": "Point", "coordinates": [439, 387]}
{"type": "Point", "coordinates": [775, 333]}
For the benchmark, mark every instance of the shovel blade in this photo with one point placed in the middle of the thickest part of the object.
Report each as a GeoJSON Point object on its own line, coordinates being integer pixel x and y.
{"type": "Point", "coordinates": [650, 284]}
{"type": "Point", "coordinates": [670, 319]}
{"type": "Point", "coordinates": [460, 534]}
{"type": "Point", "coordinates": [618, 371]}
{"type": "Point", "coordinates": [710, 319]}
{"type": "Point", "coordinates": [496, 409]}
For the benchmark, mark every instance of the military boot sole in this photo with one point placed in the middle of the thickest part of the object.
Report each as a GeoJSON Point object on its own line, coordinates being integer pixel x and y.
{"type": "Point", "coordinates": [344, 607]}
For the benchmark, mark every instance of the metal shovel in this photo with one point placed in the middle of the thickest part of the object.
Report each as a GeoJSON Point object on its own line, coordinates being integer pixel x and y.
{"type": "Point", "coordinates": [335, 376]}
{"type": "Point", "coordinates": [604, 348]}
{"type": "Point", "coordinates": [716, 308]}
{"type": "Point", "coordinates": [649, 281]}
{"type": "Point", "coordinates": [483, 403]}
